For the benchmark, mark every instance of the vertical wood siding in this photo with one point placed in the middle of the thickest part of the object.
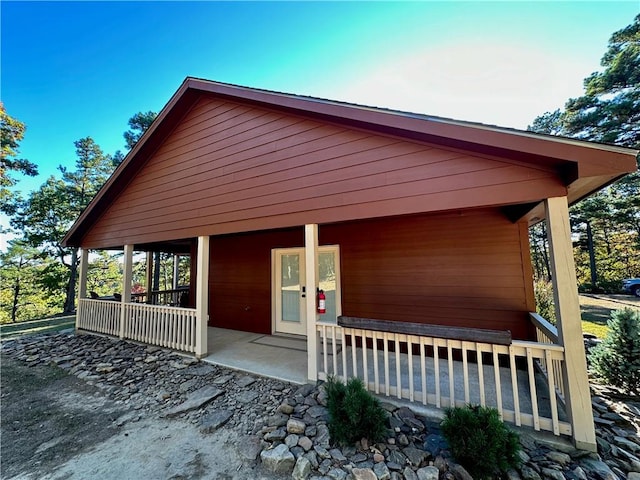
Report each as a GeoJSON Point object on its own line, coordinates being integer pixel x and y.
{"type": "Point", "coordinates": [229, 167]}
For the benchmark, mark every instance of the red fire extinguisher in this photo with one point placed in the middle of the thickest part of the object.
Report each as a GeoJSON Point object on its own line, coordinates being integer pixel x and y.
{"type": "Point", "coordinates": [322, 302]}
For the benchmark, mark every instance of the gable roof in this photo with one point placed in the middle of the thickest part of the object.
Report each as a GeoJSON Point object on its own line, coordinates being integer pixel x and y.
{"type": "Point", "coordinates": [584, 166]}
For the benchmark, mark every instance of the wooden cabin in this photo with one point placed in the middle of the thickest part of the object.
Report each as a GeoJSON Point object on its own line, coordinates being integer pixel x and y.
{"type": "Point", "coordinates": [414, 227]}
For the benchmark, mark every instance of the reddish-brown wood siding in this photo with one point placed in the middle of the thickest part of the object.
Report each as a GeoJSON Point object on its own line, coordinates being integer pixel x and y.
{"type": "Point", "coordinates": [463, 269]}
{"type": "Point", "coordinates": [450, 269]}
{"type": "Point", "coordinates": [240, 278]}
{"type": "Point", "coordinates": [229, 167]}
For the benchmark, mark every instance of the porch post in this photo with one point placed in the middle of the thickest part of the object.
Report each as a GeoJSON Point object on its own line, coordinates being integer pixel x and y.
{"type": "Point", "coordinates": [127, 275]}
{"type": "Point", "coordinates": [149, 272]}
{"type": "Point", "coordinates": [311, 266]}
{"type": "Point", "coordinates": [176, 270]}
{"type": "Point", "coordinates": [82, 279]}
{"type": "Point", "coordinates": [202, 296]}
{"type": "Point", "coordinates": [565, 292]}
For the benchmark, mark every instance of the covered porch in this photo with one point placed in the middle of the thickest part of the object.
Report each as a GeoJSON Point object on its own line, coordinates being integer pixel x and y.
{"type": "Point", "coordinates": [516, 377]}
{"type": "Point", "coordinates": [428, 218]}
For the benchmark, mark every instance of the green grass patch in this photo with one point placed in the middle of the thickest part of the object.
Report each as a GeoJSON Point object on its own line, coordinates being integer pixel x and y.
{"type": "Point", "coordinates": [595, 328]}
{"type": "Point", "coordinates": [56, 324]}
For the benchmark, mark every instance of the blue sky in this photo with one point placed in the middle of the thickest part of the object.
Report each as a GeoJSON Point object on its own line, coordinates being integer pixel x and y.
{"type": "Point", "coordinates": [76, 69]}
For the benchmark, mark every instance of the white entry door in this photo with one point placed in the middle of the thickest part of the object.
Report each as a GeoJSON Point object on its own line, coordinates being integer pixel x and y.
{"type": "Point", "coordinates": [290, 291]}
{"type": "Point", "coordinates": [289, 302]}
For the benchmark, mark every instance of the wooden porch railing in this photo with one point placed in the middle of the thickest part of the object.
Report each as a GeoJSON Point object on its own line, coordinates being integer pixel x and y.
{"type": "Point", "coordinates": [171, 327]}
{"type": "Point", "coordinates": [102, 316]}
{"type": "Point", "coordinates": [161, 297]}
{"type": "Point", "coordinates": [548, 334]}
{"type": "Point", "coordinates": [424, 369]}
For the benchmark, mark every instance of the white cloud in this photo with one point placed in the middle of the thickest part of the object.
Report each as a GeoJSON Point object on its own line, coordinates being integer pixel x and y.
{"type": "Point", "coordinates": [492, 83]}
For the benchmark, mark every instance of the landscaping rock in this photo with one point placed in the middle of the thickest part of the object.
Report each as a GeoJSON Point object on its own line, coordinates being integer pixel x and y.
{"type": "Point", "coordinates": [290, 422]}
{"type": "Point", "coordinates": [295, 426]}
{"type": "Point", "coordinates": [195, 400]}
{"type": "Point", "coordinates": [278, 460]}
{"type": "Point", "coordinates": [381, 471]}
{"type": "Point", "coordinates": [249, 447]}
{"type": "Point", "coordinates": [415, 455]}
{"type": "Point", "coordinates": [363, 474]}
{"type": "Point", "coordinates": [302, 469]}
{"type": "Point", "coordinates": [212, 421]}
{"type": "Point", "coordinates": [428, 473]}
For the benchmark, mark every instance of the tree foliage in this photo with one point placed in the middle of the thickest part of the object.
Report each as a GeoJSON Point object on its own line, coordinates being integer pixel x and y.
{"type": "Point", "coordinates": [41, 279]}
{"type": "Point", "coordinates": [11, 134]}
{"type": "Point", "coordinates": [24, 291]}
{"type": "Point", "coordinates": [617, 358]}
{"type": "Point", "coordinates": [607, 224]}
{"type": "Point", "coordinates": [480, 441]}
{"type": "Point", "coordinates": [138, 124]}
{"type": "Point", "coordinates": [49, 212]}
{"type": "Point", "coordinates": [353, 412]}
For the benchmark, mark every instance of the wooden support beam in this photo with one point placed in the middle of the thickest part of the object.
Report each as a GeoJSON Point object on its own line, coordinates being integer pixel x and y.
{"type": "Point", "coordinates": [202, 296]}
{"type": "Point", "coordinates": [311, 266]}
{"type": "Point", "coordinates": [565, 291]}
{"type": "Point", "coordinates": [127, 275]}
{"type": "Point", "coordinates": [82, 280]}
{"type": "Point", "coordinates": [176, 270]}
{"type": "Point", "coordinates": [149, 275]}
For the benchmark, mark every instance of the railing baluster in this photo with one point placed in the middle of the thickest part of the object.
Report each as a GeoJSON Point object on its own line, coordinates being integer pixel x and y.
{"type": "Point", "coordinates": [398, 374]}
{"type": "Point", "coordinates": [514, 386]}
{"type": "Point", "coordinates": [480, 374]}
{"type": "Point", "coordinates": [365, 367]}
{"type": "Point", "coordinates": [345, 373]}
{"type": "Point", "coordinates": [436, 370]}
{"type": "Point", "coordinates": [354, 353]}
{"type": "Point", "coordinates": [552, 395]}
{"type": "Point", "coordinates": [387, 383]}
{"type": "Point", "coordinates": [496, 372]}
{"type": "Point", "coordinates": [334, 350]}
{"type": "Point", "coordinates": [532, 390]}
{"type": "Point", "coordinates": [465, 373]}
{"type": "Point", "coordinates": [423, 370]}
{"type": "Point", "coordinates": [410, 364]}
{"type": "Point", "coordinates": [324, 349]}
{"type": "Point", "coordinates": [376, 381]}
{"type": "Point", "coordinates": [452, 387]}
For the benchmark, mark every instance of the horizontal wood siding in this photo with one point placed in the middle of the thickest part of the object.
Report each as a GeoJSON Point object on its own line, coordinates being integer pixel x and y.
{"type": "Point", "coordinates": [229, 167]}
{"type": "Point", "coordinates": [463, 270]}
{"type": "Point", "coordinates": [240, 278]}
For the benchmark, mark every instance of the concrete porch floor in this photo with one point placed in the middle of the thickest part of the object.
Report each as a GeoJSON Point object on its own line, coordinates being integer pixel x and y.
{"type": "Point", "coordinates": [274, 356]}
{"type": "Point", "coordinates": [285, 358]}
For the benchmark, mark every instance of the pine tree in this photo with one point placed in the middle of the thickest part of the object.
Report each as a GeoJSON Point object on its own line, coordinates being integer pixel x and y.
{"type": "Point", "coordinates": [617, 359]}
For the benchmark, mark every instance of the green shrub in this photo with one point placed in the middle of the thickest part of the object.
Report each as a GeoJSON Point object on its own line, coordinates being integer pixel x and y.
{"type": "Point", "coordinates": [480, 441]}
{"type": "Point", "coordinates": [353, 412]}
{"type": "Point", "coordinates": [543, 291]}
{"type": "Point", "coordinates": [617, 359]}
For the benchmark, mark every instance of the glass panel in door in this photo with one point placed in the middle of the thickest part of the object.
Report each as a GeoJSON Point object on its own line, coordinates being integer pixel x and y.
{"type": "Point", "coordinates": [290, 287]}
{"type": "Point", "coordinates": [327, 271]}
{"type": "Point", "coordinates": [290, 306]}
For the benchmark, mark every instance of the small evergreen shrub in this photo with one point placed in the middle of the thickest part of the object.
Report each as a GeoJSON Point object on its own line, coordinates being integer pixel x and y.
{"type": "Point", "coordinates": [353, 412]}
{"type": "Point", "coordinates": [617, 359]}
{"type": "Point", "coordinates": [543, 291]}
{"type": "Point", "coordinates": [480, 441]}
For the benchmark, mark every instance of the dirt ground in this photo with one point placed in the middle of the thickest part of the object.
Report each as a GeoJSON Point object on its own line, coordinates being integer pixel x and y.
{"type": "Point", "coordinates": [55, 426]}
